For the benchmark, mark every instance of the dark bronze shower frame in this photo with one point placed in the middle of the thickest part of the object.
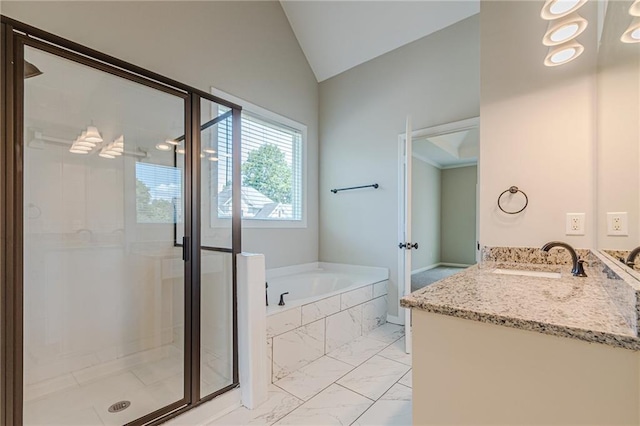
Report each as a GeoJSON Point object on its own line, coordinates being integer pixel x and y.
{"type": "Point", "coordinates": [15, 35]}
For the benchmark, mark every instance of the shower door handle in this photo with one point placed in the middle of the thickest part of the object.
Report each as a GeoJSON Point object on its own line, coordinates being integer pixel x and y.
{"type": "Point", "coordinates": [185, 248]}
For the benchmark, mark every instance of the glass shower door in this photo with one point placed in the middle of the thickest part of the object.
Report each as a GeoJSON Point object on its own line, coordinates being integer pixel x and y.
{"type": "Point", "coordinates": [217, 301]}
{"type": "Point", "coordinates": [104, 275]}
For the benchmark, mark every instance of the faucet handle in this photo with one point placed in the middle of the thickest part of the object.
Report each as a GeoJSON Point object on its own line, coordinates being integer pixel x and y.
{"type": "Point", "coordinates": [579, 271]}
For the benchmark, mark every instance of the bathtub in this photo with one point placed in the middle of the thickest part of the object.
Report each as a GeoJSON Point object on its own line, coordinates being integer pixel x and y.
{"type": "Point", "coordinates": [328, 305]}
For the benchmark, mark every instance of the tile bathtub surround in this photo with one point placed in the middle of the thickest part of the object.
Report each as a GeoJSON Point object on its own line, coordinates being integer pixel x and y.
{"type": "Point", "coordinates": [320, 309]}
{"type": "Point", "coordinates": [344, 317]}
{"type": "Point", "coordinates": [297, 348]}
{"type": "Point", "coordinates": [344, 327]}
{"type": "Point", "coordinates": [282, 322]}
{"type": "Point", "coordinates": [573, 307]}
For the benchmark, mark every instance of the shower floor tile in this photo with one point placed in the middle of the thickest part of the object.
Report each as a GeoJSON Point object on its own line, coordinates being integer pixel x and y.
{"type": "Point", "coordinates": [149, 380]}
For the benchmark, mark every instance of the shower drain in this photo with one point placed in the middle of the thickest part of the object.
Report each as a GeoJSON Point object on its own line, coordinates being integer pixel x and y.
{"type": "Point", "coordinates": [119, 406]}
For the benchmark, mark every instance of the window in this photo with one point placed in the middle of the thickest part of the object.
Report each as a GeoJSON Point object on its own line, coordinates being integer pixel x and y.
{"type": "Point", "coordinates": [272, 172]}
{"type": "Point", "coordinates": [158, 194]}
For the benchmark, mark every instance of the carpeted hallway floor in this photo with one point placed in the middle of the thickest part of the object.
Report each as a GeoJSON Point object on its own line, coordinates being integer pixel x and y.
{"type": "Point", "coordinates": [424, 278]}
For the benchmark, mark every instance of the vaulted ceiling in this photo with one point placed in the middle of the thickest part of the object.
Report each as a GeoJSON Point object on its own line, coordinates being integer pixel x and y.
{"type": "Point", "coordinates": [338, 35]}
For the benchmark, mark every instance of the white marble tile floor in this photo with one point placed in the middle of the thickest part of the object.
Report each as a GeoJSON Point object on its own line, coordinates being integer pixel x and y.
{"type": "Point", "coordinates": [364, 382]}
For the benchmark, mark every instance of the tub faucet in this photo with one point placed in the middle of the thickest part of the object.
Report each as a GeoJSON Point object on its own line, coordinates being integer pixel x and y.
{"type": "Point", "coordinates": [578, 264]}
{"type": "Point", "coordinates": [281, 302]}
{"type": "Point", "coordinates": [631, 259]}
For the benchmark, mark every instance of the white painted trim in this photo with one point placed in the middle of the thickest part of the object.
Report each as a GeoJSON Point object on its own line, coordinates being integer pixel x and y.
{"type": "Point", "coordinates": [393, 319]}
{"type": "Point", "coordinates": [444, 129]}
{"type": "Point", "coordinates": [459, 166]}
{"type": "Point", "coordinates": [426, 268]}
{"type": "Point", "coordinates": [427, 160]}
{"type": "Point", "coordinates": [278, 118]}
{"type": "Point", "coordinates": [455, 265]}
{"type": "Point", "coordinates": [435, 265]}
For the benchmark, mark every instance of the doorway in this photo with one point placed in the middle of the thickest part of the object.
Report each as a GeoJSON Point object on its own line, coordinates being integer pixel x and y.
{"type": "Point", "coordinates": [437, 214]}
{"type": "Point", "coordinates": [444, 182]}
{"type": "Point", "coordinates": [116, 307]}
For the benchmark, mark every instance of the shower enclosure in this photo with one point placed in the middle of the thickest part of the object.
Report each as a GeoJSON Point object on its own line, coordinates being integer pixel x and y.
{"type": "Point", "coordinates": [118, 287]}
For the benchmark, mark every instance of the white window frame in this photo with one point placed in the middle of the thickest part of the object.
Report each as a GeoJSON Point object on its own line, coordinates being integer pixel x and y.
{"type": "Point", "coordinates": [277, 118]}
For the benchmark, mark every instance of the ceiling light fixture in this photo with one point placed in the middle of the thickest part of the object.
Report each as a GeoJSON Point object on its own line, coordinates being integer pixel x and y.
{"type": "Point", "coordinates": [632, 34]}
{"type": "Point", "coordinates": [77, 151]}
{"type": "Point", "coordinates": [93, 135]}
{"type": "Point", "coordinates": [163, 147]}
{"type": "Point", "coordinates": [554, 9]}
{"type": "Point", "coordinates": [564, 30]}
{"type": "Point", "coordinates": [104, 154]}
{"type": "Point", "coordinates": [634, 9]}
{"type": "Point", "coordinates": [563, 53]}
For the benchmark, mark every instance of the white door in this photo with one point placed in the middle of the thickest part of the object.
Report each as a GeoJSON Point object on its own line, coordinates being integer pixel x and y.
{"type": "Point", "coordinates": [405, 243]}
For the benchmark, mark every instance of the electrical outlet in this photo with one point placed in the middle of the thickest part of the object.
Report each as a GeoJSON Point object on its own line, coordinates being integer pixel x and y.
{"type": "Point", "coordinates": [617, 224]}
{"type": "Point", "coordinates": [575, 223]}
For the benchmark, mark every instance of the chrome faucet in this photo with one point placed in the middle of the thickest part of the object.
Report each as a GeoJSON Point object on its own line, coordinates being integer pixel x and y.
{"type": "Point", "coordinates": [578, 264]}
{"type": "Point", "coordinates": [631, 259]}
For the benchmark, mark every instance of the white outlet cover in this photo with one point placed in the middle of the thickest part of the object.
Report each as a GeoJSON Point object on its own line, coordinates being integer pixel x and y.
{"type": "Point", "coordinates": [575, 223]}
{"type": "Point", "coordinates": [617, 224]}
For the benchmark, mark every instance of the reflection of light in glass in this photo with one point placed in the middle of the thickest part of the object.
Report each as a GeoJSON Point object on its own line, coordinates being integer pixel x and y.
{"type": "Point", "coordinates": [554, 9]}
{"type": "Point", "coordinates": [564, 30]}
{"type": "Point", "coordinates": [180, 150]}
{"type": "Point", "coordinates": [93, 135]}
{"type": "Point", "coordinates": [213, 158]}
{"type": "Point", "coordinates": [634, 9]}
{"type": "Point", "coordinates": [172, 142]}
{"type": "Point", "coordinates": [78, 151]}
{"type": "Point", "coordinates": [564, 53]}
{"type": "Point", "coordinates": [632, 34]}
{"type": "Point", "coordinates": [209, 150]}
{"type": "Point", "coordinates": [163, 147]}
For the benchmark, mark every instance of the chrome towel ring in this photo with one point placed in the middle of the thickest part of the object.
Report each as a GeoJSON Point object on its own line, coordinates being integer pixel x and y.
{"type": "Point", "coordinates": [513, 190]}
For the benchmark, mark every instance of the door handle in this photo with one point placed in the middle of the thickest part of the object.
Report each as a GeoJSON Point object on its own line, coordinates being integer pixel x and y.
{"type": "Point", "coordinates": [185, 249]}
{"type": "Point", "coordinates": [408, 246]}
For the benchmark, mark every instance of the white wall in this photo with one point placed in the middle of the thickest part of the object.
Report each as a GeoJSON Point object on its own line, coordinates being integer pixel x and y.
{"type": "Point", "coordinates": [362, 112]}
{"type": "Point", "coordinates": [537, 128]}
{"type": "Point", "coordinates": [243, 48]}
{"type": "Point", "coordinates": [458, 219]}
{"type": "Point", "coordinates": [425, 214]}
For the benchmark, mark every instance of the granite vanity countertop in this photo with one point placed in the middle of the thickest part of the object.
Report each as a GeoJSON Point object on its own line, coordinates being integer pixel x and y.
{"type": "Point", "coordinates": [579, 308]}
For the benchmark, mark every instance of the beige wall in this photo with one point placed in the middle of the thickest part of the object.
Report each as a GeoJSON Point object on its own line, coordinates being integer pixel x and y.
{"type": "Point", "coordinates": [246, 49]}
{"type": "Point", "coordinates": [425, 214]}
{"type": "Point", "coordinates": [537, 128]}
{"type": "Point", "coordinates": [362, 112]}
{"type": "Point", "coordinates": [459, 215]}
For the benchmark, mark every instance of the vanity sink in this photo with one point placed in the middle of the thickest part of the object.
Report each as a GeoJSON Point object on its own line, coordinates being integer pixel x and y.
{"type": "Point", "coordinates": [523, 273]}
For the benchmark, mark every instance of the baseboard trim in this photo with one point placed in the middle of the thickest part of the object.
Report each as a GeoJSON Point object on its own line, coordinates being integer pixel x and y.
{"type": "Point", "coordinates": [435, 265]}
{"type": "Point", "coordinates": [426, 268]}
{"type": "Point", "coordinates": [455, 265]}
{"type": "Point", "coordinates": [393, 319]}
